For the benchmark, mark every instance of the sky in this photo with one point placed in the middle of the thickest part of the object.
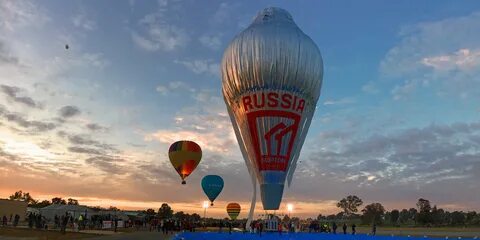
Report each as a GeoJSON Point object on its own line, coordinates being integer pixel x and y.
{"type": "Point", "coordinates": [397, 119]}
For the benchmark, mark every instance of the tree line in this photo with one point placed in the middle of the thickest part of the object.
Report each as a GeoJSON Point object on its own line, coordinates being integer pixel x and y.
{"type": "Point", "coordinates": [423, 215]}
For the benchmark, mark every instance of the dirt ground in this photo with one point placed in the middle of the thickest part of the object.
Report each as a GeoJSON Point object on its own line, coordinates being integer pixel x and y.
{"type": "Point", "coordinates": [23, 233]}
{"type": "Point", "coordinates": [430, 232]}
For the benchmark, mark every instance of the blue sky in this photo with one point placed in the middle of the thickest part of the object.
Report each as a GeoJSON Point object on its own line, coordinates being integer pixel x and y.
{"type": "Point", "coordinates": [397, 118]}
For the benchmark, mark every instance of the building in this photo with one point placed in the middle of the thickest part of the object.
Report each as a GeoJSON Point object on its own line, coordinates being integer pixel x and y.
{"type": "Point", "coordinates": [13, 207]}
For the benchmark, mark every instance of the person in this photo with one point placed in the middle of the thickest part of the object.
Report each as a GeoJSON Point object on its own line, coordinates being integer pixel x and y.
{"type": "Point", "coordinates": [334, 228]}
{"type": "Point", "coordinates": [220, 225]}
{"type": "Point", "coordinates": [16, 220]}
{"type": "Point", "coordinates": [244, 227]}
{"type": "Point", "coordinates": [374, 229]}
{"type": "Point", "coordinates": [260, 228]}
{"type": "Point", "coordinates": [280, 229]}
{"type": "Point", "coordinates": [4, 220]}
{"type": "Point", "coordinates": [230, 228]}
{"type": "Point", "coordinates": [354, 229]}
{"type": "Point", "coordinates": [344, 228]}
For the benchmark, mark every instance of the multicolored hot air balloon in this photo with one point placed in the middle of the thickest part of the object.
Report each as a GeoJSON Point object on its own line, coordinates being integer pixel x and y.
{"type": "Point", "coordinates": [233, 209]}
{"type": "Point", "coordinates": [212, 185]}
{"type": "Point", "coordinates": [185, 156]}
{"type": "Point", "coordinates": [271, 79]}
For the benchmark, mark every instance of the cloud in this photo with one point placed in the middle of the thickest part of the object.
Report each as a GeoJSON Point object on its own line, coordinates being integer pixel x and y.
{"type": "Point", "coordinates": [342, 101]}
{"type": "Point", "coordinates": [23, 122]}
{"type": "Point", "coordinates": [107, 164]}
{"type": "Point", "coordinates": [69, 111]}
{"type": "Point", "coordinates": [12, 94]}
{"type": "Point", "coordinates": [202, 66]}
{"type": "Point", "coordinates": [173, 87]}
{"type": "Point", "coordinates": [462, 60]}
{"type": "Point", "coordinates": [440, 55]}
{"type": "Point", "coordinates": [81, 20]}
{"type": "Point", "coordinates": [18, 14]}
{"type": "Point", "coordinates": [418, 156]}
{"type": "Point", "coordinates": [85, 150]}
{"type": "Point", "coordinates": [96, 127]}
{"type": "Point", "coordinates": [95, 59]}
{"type": "Point", "coordinates": [158, 34]}
{"type": "Point", "coordinates": [205, 122]}
{"type": "Point", "coordinates": [6, 56]}
{"type": "Point", "coordinates": [213, 42]}
{"type": "Point", "coordinates": [370, 88]}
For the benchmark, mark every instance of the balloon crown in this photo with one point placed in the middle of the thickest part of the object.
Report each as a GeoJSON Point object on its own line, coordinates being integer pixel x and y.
{"type": "Point", "coordinates": [273, 14]}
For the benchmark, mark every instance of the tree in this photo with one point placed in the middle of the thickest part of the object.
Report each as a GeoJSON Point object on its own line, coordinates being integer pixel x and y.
{"type": "Point", "coordinates": [424, 215]}
{"type": "Point", "coordinates": [404, 216]}
{"type": "Point", "coordinates": [373, 213]}
{"type": "Point", "coordinates": [57, 200]}
{"type": "Point", "coordinates": [72, 201]}
{"type": "Point", "coordinates": [195, 218]}
{"type": "Point", "coordinates": [412, 214]}
{"type": "Point", "coordinates": [394, 216]}
{"type": "Point", "coordinates": [112, 208]}
{"type": "Point", "coordinates": [150, 212]}
{"type": "Point", "coordinates": [350, 204]}
{"type": "Point", "coordinates": [41, 204]}
{"type": "Point", "coordinates": [22, 196]}
{"type": "Point", "coordinates": [165, 211]}
{"type": "Point", "coordinates": [180, 216]}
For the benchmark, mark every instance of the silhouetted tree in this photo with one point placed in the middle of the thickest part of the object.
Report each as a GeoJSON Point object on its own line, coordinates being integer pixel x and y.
{"type": "Point", "coordinates": [373, 213]}
{"type": "Point", "coordinates": [41, 204]}
{"type": "Point", "coordinates": [404, 216]}
{"type": "Point", "coordinates": [394, 216]}
{"type": "Point", "coordinates": [424, 211]}
{"type": "Point", "coordinates": [350, 204]}
{"type": "Point", "coordinates": [165, 211]}
{"type": "Point", "coordinates": [72, 201]}
{"type": "Point", "coordinates": [57, 200]}
{"type": "Point", "coordinates": [23, 196]}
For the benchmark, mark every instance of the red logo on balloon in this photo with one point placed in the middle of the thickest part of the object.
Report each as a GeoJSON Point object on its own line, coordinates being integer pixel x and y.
{"type": "Point", "coordinates": [273, 135]}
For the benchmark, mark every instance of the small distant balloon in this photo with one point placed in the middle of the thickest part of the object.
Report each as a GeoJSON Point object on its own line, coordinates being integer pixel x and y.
{"type": "Point", "coordinates": [212, 185]}
{"type": "Point", "coordinates": [184, 156]}
{"type": "Point", "coordinates": [233, 209]}
{"type": "Point", "coordinates": [66, 46]}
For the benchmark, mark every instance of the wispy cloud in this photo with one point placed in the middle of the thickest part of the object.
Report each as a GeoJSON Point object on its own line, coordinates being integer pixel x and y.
{"type": "Point", "coordinates": [158, 33]}
{"type": "Point", "coordinates": [205, 66]}
{"type": "Point", "coordinates": [82, 20]}
{"type": "Point", "coordinates": [440, 55]}
{"type": "Point", "coordinates": [342, 101]}
{"type": "Point", "coordinates": [213, 42]}
{"type": "Point", "coordinates": [69, 111]}
{"type": "Point", "coordinates": [13, 93]}
{"type": "Point", "coordinates": [174, 86]}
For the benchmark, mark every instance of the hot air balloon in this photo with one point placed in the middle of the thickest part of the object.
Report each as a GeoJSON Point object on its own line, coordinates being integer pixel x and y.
{"type": "Point", "coordinates": [271, 80]}
{"type": "Point", "coordinates": [233, 209]}
{"type": "Point", "coordinates": [184, 156]}
{"type": "Point", "coordinates": [212, 185]}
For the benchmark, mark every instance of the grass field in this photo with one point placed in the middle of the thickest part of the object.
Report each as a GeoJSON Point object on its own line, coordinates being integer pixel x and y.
{"type": "Point", "coordinates": [22, 233]}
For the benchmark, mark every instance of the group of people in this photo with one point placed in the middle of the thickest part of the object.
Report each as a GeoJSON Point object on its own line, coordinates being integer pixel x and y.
{"type": "Point", "coordinates": [13, 220]}
{"type": "Point", "coordinates": [169, 226]}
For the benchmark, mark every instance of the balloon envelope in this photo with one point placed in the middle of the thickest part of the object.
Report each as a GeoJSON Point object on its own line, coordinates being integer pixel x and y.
{"type": "Point", "coordinates": [233, 209]}
{"type": "Point", "coordinates": [212, 185]}
{"type": "Point", "coordinates": [184, 156]}
{"type": "Point", "coordinates": [271, 78]}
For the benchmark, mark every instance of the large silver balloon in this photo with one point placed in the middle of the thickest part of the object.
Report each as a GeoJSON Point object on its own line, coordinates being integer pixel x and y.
{"type": "Point", "coordinates": [272, 75]}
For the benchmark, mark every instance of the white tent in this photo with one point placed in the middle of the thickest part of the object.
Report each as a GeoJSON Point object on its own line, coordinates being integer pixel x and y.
{"type": "Point", "coordinates": [49, 212]}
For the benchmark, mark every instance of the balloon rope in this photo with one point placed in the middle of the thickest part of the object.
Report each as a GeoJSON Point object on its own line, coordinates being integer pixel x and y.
{"type": "Point", "coordinates": [252, 204]}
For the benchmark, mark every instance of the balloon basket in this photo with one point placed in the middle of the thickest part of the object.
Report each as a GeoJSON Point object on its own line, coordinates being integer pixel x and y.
{"type": "Point", "coordinates": [183, 182]}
